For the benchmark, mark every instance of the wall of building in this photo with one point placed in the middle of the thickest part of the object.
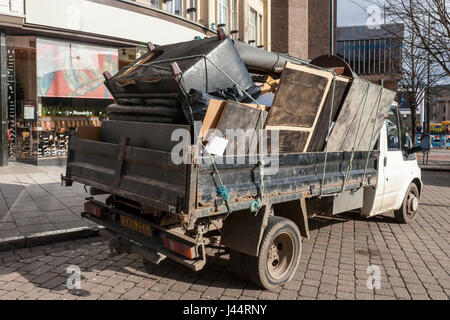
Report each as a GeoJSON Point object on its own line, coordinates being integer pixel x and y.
{"type": "Point", "coordinates": [301, 27]}
{"type": "Point", "coordinates": [235, 14]}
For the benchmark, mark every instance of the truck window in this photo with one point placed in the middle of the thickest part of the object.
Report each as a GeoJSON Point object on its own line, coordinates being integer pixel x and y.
{"type": "Point", "coordinates": [392, 131]}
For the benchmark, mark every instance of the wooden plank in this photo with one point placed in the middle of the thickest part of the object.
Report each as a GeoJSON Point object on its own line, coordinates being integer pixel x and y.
{"type": "Point", "coordinates": [238, 116]}
{"type": "Point", "coordinates": [298, 104]}
{"type": "Point", "coordinates": [289, 141]}
{"type": "Point", "coordinates": [318, 138]}
{"type": "Point", "coordinates": [155, 136]}
{"type": "Point", "coordinates": [359, 118]}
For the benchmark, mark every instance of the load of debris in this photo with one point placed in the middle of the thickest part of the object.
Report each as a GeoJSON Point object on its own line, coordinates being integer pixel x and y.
{"type": "Point", "coordinates": [227, 84]}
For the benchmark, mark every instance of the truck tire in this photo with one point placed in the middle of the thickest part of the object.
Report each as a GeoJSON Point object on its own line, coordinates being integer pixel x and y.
{"type": "Point", "coordinates": [410, 205]}
{"type": "Point", "coordinates": [279, 254]}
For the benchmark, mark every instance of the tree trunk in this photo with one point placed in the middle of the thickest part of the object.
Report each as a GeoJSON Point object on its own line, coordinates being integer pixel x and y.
{"type": "Point", "coordinates": [413, 123]}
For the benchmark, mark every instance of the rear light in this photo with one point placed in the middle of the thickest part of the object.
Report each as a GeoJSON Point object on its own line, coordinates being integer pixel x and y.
{"type": "Point", "coordinates": [96, 208]}
{"type": "Point", "coordinates": [185, 250]}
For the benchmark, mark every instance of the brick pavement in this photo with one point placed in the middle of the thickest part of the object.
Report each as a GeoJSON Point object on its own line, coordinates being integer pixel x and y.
{"type": "Point", "coordinates": [32, 201]}
{"type": "Point", "coordinates": [414, 262]}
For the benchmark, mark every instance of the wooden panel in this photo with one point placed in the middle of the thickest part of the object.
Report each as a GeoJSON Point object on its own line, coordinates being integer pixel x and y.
{"type": "Point", "coordinates": [155, 136]}
{"type": "Point", "coordinates": [298, 104]}
{"type": "Point", "coordinates": [300, 96]}
{"type": "Point", "coordinates": [320, 133]}
{"type": "Point", "coordinates": [361, 117]}
{"type": "Point", "coordinates": [288, 141]}
{"type": "Point", "coordinates": [240, 117]}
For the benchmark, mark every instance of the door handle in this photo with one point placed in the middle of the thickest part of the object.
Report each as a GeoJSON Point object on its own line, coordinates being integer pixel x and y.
{"type": "Point", "coordinates": [385, 161]}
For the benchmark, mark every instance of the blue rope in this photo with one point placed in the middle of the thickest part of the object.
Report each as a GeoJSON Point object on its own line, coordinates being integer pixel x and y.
{"type": "Point", "coordinates": [223, 192]}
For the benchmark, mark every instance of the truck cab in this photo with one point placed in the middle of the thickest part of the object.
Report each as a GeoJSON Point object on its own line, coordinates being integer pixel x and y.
{"type": "Point", "coordinates": [399, 182]}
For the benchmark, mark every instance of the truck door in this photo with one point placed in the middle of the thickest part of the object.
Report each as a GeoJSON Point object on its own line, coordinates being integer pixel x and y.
{"type": "Point", "coordinates": [394, 170]}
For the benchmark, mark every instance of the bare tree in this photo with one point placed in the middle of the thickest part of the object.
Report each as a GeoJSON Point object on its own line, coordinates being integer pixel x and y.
{"type": "Point", "coordinates": [424, 61]}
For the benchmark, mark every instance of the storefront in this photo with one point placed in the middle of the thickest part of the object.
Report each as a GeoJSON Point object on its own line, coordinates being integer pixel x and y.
{"type": "Point", "coordinates": [54, 86]}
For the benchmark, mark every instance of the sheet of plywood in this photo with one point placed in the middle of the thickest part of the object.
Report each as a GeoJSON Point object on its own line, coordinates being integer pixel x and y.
{"type": "Point", "coordinates": [289, 141]}
{"type": "Point", "coordinates": [318, 138]}
{"type": "Point", "coordinates": [298, 102]}
{"type": "Point", "coordinates": [361, 117]}
{"type": "Point", "coordinates": [238, 116]}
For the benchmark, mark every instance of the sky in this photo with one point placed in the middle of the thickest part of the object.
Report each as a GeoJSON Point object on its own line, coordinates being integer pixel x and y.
{"type": "Point", "coordinates": [350, 14]}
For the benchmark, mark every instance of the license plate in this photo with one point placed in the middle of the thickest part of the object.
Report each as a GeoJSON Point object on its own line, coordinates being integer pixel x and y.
{"type": "Point", "coordinates": [135, 225]}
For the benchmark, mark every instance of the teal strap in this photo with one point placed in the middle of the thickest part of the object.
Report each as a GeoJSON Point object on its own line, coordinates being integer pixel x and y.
{"type": "Point", "coordinates": [223, 192]}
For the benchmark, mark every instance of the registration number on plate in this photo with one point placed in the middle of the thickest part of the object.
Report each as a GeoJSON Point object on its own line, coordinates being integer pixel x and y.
{"type": "Point", "coordinates": [135, 225]}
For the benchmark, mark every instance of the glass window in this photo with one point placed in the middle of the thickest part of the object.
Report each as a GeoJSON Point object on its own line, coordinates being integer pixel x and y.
{"type": "Point", "coordinates": [233, 15]}
{"type": "Point", "coordinates": [191, 10]}
{"type": "Point", "coordinates": [175, 6]}
{"type": "Point", "coordinates": [67, 69]}
{"type": "Point", "coordinates": [392, 131]}
{"type": "Point", "coordinates": [252, 34]}
{"type": "Point", "coordinates": [223, 14]}
{"type": "Point", "coordinates": [260, 31]}
{"type": "Point", "coordinates": [154, 3]}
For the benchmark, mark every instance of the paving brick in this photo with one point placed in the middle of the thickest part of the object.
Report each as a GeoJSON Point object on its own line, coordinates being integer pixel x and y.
{"type": "Point", "coordinates": [134, 293]}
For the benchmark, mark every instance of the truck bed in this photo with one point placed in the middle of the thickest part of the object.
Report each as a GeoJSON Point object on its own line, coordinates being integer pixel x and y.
{"type": "Point", "coordinates": [133, 161]}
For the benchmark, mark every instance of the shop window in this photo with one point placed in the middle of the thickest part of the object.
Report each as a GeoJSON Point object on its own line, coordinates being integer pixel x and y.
{"type": "Point", "coordinates": [67, 69]}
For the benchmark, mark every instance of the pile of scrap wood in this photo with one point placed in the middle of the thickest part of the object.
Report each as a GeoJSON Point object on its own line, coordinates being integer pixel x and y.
{"type": "Point", "coordinates": [227, 85]}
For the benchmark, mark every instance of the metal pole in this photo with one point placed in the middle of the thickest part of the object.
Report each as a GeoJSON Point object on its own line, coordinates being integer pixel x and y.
{"type": "Point", "coordinates": [428, 80]}
{"type": "Point", "coordinates": [3, 102]}
{"type": "Point", "coordinates": [332, 27]}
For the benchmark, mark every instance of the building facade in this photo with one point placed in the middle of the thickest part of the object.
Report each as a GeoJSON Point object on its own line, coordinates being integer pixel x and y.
{"type": "Point", "coordinates": [54, 54]}
{"type": "Point", "coordinates": [440, 103]}
{"type": "Point", "coordinates": [373, 53]}
{"type": "Point", "coordinates": [301, 28]}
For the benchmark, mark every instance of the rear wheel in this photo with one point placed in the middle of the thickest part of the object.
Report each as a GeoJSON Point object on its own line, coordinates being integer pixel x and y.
{"type": "Point", "coordinates": [279, 254]}
{"type": "Point", "coordinates": [408, 211]}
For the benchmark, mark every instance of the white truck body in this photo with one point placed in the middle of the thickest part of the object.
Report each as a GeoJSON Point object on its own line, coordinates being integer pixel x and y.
{"type": "Point", "coordinates": [396, 171]}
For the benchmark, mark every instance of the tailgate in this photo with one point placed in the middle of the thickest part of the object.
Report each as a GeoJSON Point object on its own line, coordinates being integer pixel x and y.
{"type": "Point", "coordinates": [132, 160]}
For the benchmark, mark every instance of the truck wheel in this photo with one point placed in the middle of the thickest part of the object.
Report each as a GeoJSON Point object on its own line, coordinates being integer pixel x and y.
{"type": "Point", "coordinates": [408, 211]}
{"type": "Point", "coordinates": [279, 254]}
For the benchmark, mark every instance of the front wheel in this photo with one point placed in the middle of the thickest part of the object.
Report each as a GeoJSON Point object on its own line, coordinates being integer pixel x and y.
{"type": "Point", "coordinates": [408, 211]}
{"type": "Point", "coordinates": [279, 254]}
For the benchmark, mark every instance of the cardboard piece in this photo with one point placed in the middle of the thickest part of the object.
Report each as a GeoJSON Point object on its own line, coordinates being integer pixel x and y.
{"type": "Point", "coordinates": [270, 85]}
{"type": "Point", "coordinates": [212, 117]}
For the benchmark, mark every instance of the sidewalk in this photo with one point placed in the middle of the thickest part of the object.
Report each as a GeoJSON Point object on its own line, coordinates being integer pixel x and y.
{"type": "Point", "coordinates": [438, 160]}
{"type": "Point", "coordinates": [36, 209]}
